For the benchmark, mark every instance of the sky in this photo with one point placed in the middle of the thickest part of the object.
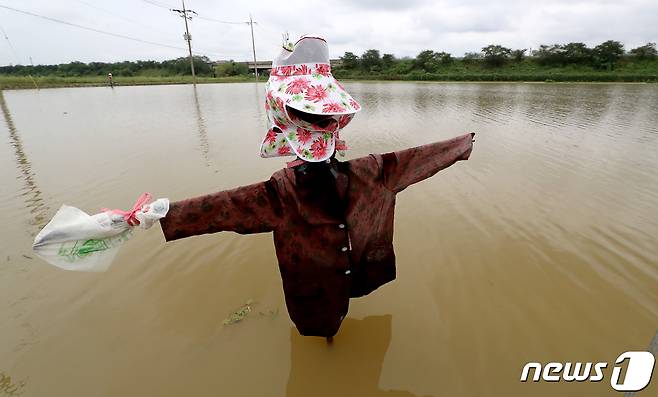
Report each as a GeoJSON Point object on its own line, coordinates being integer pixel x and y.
{"type": "Point", "coordinates": [399, 27]}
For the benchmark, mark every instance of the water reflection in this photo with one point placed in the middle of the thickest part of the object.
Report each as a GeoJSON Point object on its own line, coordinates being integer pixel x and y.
{"type": "Point", "coordinates": [492, 104]}
{"type": "Point", "coordinates": [350, 366]}
{"type": "Point", "coordinates": [551, 109]}
{"type": "Point", "coordinates": [201, 125]}
{"type": "Point", "coordinates": [594, 103]}
{"type": "Point", "coordinates": [425, 100]}
{"type": "Point", "coordinates": [259, 101]}
{"type": "Point", "coordinates": [31, 192]}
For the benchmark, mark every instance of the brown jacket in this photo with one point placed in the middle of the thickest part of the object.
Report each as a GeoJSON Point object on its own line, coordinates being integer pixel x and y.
{"type": "Point", "coordinates": [332, 244]}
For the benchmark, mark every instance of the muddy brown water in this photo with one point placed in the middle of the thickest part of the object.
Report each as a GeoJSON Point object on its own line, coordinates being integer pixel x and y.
{"type": "Point", "coordinates": [542, 247]}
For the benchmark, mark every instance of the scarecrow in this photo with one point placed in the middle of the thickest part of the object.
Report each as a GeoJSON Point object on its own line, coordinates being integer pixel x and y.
{"type": "Point", "coordinates": [332, 220]}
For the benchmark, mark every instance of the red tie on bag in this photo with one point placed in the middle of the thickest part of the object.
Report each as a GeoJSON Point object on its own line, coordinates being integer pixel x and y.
{"type": "Point", "coordinates": [129, 216]}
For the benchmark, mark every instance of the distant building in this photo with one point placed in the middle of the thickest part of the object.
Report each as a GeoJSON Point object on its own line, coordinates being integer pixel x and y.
{"type": "Point", "coordinates": [267, 65]}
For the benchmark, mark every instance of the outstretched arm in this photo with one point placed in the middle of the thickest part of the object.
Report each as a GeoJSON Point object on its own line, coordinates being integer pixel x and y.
{"type": "Point", "coordinates": [405, 167]}
{"type": "Point", "coordinates": [247, 209]}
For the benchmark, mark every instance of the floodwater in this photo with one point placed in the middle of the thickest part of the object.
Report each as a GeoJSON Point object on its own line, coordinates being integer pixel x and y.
{"type": "Point", "coordinates": [542, 247]}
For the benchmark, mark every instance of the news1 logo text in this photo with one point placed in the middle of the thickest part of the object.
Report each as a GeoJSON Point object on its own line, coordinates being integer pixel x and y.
{"type": "Point", "coordinates": [632, 371]}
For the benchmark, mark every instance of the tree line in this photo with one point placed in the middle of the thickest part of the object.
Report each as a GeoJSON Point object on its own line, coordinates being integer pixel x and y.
{"type": "Point", "coordinates": [604, 56]}
{"type": "Point", "coordinates": [179, 66]}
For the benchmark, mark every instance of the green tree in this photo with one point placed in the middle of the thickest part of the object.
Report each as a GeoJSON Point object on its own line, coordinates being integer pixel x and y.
{"type": "Point", "coordinates": [176, 66]}
{"type": "Point", "coordinates": [371, 61]}
{"type": "Point", "coordinates": [403, 66]}
{"type": "Point", "coordinates": [445, 58]}
{"type": "Point", "coordinates": [231, 68]}
{"type": "Point", "coordinates": [647, 51]}
{"type": "Point", "coordinates": [431, 61]}
{"type": "Point", "coordinates": [202, 65]}
{"type": "Point", "coordinates": [577, 53]}
{"type": "Point", "coordinates": [427, 61]}
{"type": "Point", "coordinates": [181, 66]}
{"type": "Point", "coordinates": [495, 55]}
{"type": "Point", "coordinates": [388, 60]}
{"type": "Point", "coordinates": [550, 54]}
{"type": "Point", "coordinates": [608, 52]}
{"type": "Point", "coordinates": [518, 55]}
{"type": "Point", "coordinates": [350, 61]}
{"type": "Point", "coordinates": [75, 68]}
{"type": "Point", "coordinates": [472, 58]}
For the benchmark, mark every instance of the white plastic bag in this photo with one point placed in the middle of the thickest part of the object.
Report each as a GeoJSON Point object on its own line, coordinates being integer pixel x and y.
{"type": "Point", "coordinates": [74, 240]}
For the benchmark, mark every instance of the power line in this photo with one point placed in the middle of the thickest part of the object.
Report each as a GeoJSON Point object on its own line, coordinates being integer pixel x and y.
{"type": "Point", "coordinates": [133, 21]}
{"type": "Point", "coordinates": [13, 50]}
{"type": "Point", "coordinates": [260, 26]}
{"type": "Point", "coordinates": [90, 29]}
{"type": "Point", "coordinates": [268, 34]}
{"type": "Point", "coordinates": [220, 21]}
{"type": "Point", "coordinates": [161, 5]}
{"type": "Point", "coordinates": [122, 36]}
{"type": "Point", "coordinates": [153, 3]}
{"type": "Point", "coordinates": [184, 12]}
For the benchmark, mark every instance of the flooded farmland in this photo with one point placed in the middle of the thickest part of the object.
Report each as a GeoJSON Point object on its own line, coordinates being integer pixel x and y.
{"type": "Point", "coordinates": [542, 247]}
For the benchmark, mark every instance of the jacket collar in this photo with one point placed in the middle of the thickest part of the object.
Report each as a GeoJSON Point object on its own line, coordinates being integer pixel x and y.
{"type": "Point", "coordinates": [319, 191]}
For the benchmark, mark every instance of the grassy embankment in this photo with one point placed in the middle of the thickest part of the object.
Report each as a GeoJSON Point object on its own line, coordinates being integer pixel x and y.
{"type": "Point", "coordinates": [21, 82]}
{"type": "Point", "coordinates": [646, 71]}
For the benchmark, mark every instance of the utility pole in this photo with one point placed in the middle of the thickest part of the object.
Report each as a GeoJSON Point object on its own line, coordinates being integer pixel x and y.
{"type": "Point", "coordinates": [183, 14]}
{"type": "Point", "coordinates": [253, 45]}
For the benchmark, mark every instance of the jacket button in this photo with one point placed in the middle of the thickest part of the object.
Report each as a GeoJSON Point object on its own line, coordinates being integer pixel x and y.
{"type": "Point", "coordinates": [342, 226]}
{"type": "Point", "coordinates": [344, 249]}
{"type": "Point", "coordinates": [348, 271]}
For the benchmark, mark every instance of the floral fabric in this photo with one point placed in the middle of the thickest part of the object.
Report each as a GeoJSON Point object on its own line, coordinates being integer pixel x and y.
{"type": "Point", "coordinates": [311, 88]}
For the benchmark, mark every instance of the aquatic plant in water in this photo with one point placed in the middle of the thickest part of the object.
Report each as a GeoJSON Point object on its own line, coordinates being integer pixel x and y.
{"type": "Point", "coordinates": [239, 314]}
{"type": "Point", "coordinates": [244, 310]}
{"type": "Point", "coordinates": [8, 387]}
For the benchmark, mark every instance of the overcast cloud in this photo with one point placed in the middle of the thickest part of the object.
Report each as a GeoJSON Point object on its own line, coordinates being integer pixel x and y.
{"type": "Point", "coordinates": [400, 27]}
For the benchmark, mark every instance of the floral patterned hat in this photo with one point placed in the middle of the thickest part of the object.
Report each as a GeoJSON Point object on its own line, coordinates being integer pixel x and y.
{"type": "Point", "coordinates": [301, 79]}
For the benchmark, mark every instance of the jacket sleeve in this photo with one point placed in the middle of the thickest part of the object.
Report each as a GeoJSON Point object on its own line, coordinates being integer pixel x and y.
{"type": "Point", "coordinates": [248, 209]}
{"type": "Point", "coordinates": [405, 167]}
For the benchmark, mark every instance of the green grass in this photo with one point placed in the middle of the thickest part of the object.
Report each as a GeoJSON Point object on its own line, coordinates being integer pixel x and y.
{"type": "Point", "coordinates": [523, 71]}
{"type": "Point", "coordinates": [22, 82]}
{"type": "Point", "coordinates": [544, 77]}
